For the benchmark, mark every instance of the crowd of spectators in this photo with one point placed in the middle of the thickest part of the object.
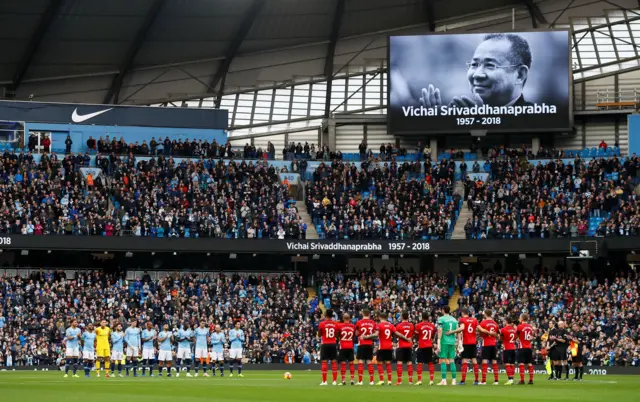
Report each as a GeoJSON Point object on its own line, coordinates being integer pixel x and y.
{"type": "Point", "coordinates": [383, 200]}
{"type": "Point", "coordinates": [280, 318]}
{"type": "Point", "coordinates": [524, 200]}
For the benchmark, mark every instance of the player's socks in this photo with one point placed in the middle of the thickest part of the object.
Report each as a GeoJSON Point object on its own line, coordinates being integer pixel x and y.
{"type": "Point", "coordinates": [360, 371]}
{"type": "Point", "coordinates": [485, 368]}
{"type": "Point", "coordinates": [120, 367]}
{"type": "Point", "coordinates": [566, 371]}
{"type": "Point", "coordinates": [452, 367]}
{"type": "Point", "coordinates": [68, 365]}
{"type": "Point", "coordinates": [475, 371]}
{"type": "Point", "coordinates": [531, 373]}
{"type": "Point", "coordinates": [389, 371]}
{"type": "Point", "coordinates": [197, 366]}
{"type": "Point", "coordinates": [75, 366]}
{"type": "Point", "coordinates": [380, 372]}
{"type": "Point", "coordinates": [221, 369]}
{"type": "Point", "coordinates": [343, 370]}
{"type": "Point", "coordinates": [87, 369]}
{"type": "Point", "coordinates": [465, 366]}
{"type": "Point", "coordinates": [558, 371]}
{"type": "Point", "coordinates": [239, 366]}
{"type": "Point", "coordinates": [324, 368]}
{"type": "Point", "coordinates": [107, 366]}
{"type": "Point", "coordinates": [231, 365]}
{"type": "Point", "coordinates": [419, 370]}
{"type": "Point", "coordinates": [495, 371]}
{"type": "Point", "coordinates": [399, 371]}
{"type": "Point", "coordinates": [98, 366]}
{"type": "Point", "coordinates": [135, 367]}
{"type": "Point", "coordinates": [352, 370]}
{"type": "Point", "coordinates": [334, 370]}
{"type": "Point", "coordinates": [410, 371]}
{"type": "Point", "coordinates": [581, 371]}
{"type": "Point", "coordinates": [521, 367]}
{"type": "Point", "coordinates": [371, 374]}
{"type": "Point", "coordinates": [443, 370]}
{"type": "Point", "coordinates": [432, 371]}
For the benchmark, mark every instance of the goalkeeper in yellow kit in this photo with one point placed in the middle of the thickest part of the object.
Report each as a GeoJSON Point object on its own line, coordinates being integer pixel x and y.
{"type": "Point", "coordinates": [103, 352]}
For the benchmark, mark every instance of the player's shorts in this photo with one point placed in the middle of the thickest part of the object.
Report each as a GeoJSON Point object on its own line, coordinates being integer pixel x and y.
{"type": "Point", "coordinates": [235, 353]}
{"type": "Point", "coordinates": [86, 355]}
{"type": "Point", "coordinates": [217, 356]}
{"type": "Point", "coordinates": [72, 352]}
{"type": "Point", "coordinates": [202, 353]}
{"type": "Point", "coordinates": [165, 356]}
{"type": "Point", "coordinates": [404, 355]}
{"type": "Point", "coordinates": [328, 352]}
{"type": "Point", "coordinates": [469, 352]}
{"type": "Point", "coordinates": [447, 352]}
{"type": "Point", "coordinates": [558, 353]}
{"type": "Point", "coordinates": [116, 356]}
{"type": "Point", "coordinates": [103, 352]}
{"type": "Point", "coordinates": [425, 355]}
{"type": "Point", "coordinates": [365, 352]}
{"type": "Point", "coordinates": [578, 358]}
{"type": "Point", "coordinates": [385, 355]}
{"type": "Point", "coordinates": [148, 354]}
{"type": "Point", "coordinates": [489, 353]}
{"type": "Point", "coordinates": [346, 355]}
{"type": "Point", "coordinates": [183, 353]}
{"type": "Point", "coordinates": [509, 357]}
{"type": "Point", "coordinates": [133, 351]}
{"type": "Point", "coordinates": [525, 356]}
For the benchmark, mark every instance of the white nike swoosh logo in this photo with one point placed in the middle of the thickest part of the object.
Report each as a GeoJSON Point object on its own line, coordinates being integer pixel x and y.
{"type": "Point", "coordinates": [77, 118]}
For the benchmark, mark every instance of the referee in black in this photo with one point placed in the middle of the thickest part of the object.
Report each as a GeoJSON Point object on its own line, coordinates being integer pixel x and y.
{"type": "Point", "coordinates": [559, 338]}
{"type": "Point", "coordinates": [578, 360]}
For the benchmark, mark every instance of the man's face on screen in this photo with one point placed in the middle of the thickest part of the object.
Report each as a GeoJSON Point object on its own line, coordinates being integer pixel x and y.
{"type": "Point", "coordinates": [489, 74]}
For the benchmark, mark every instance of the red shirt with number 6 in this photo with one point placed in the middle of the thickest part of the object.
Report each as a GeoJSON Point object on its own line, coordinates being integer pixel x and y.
{"type": "Point", "coordinates": [328, 331]}
{"type": "Point", "coordinates": [525, 334]}
{"type": "Point", "coordinates": [425, 331]}
{"type": "Point", "coordinates": [469, 333]}
{"type": "Point", "coordinates": [347, 332]}
{"type": "Point", "coordinates": [491, 326]}
{"type": "Point", "coordinates": [509, 337]}
{"type": "Point", "coordinates": [406, 329]}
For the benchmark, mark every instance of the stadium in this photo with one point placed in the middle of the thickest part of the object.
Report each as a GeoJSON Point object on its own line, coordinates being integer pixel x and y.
{"type": "Point", "coordinates": [389, 198]}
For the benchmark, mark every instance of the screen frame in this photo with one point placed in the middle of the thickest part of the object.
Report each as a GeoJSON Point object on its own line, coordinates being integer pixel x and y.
{"type": "Point", "coordinates": [570, 122]}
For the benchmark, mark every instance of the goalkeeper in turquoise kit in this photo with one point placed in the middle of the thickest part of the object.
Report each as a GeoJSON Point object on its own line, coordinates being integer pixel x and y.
{"type": "Point", "coordinates": [447, 345]}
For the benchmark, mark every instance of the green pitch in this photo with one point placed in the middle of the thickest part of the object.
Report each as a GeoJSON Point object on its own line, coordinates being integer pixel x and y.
{"type": "Point", "coordinates": [23, 386]}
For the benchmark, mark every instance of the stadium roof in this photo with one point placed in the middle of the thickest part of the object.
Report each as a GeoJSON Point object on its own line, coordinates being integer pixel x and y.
{"type": "Point", "coordinates": [147, 51]}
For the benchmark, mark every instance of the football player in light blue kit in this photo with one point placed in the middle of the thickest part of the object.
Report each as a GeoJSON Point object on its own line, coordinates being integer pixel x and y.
{"type": "Point", "coordinates": [117, 349]}
{"type": "Point", "coordinates": [185, 337]}
{"type": "Point", "coordinates": [217, 351]}
{"type": "Point", "coordinates": [88, 349]}
{"type": "Point", "coordinates": [132, 339]}
{"type": "Point", "coordinates": [164, 355]}
{"type": "Point", "coordinates": [236, 339]}
{"type": "Point", "coordinates": [148, 352]}
{"type": "Point", "coordinates": [72, 355]}
{"type": "Point", "coordinates": [202, 348]}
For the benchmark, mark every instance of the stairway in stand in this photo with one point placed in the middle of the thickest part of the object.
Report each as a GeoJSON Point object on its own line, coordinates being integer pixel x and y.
{"type": "Point", "coordinates": [453, 300]}
{"type": "Point", "coordinates": [312, 233]}
{"type": "Point", "coordinates": [465, 214]}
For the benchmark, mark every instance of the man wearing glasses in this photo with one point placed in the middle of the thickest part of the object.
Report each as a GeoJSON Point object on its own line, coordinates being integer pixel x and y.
{"type": "Point", "coordinates": [496, 73]}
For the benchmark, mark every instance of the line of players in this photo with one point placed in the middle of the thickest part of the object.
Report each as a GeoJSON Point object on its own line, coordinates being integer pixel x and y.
{"type": "Point", "coordinates": [444, 339]}
{"type": "Point", "coordinates": [103, 346]}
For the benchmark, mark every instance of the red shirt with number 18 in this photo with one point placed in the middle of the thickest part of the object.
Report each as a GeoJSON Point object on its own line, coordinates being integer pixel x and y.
{"type": "Point", "coordinates": [469, 333]}
{"type": "Point", "coordinates": [328, 331]}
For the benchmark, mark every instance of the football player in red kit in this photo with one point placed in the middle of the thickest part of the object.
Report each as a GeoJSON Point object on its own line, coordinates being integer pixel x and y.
{"type": "Point", "coordinates": [526, 334]}
{"type": "Point", "coordinates": [489, 333]}
{"type": "Point", "coordinates": [404, 352]}
{"type": "Point", "coordinates": [364, 330]}
{"type": "Point", "coordinates": [426, 333]}
{"type": "Point", "coordinates": [509, 335]}
{"type": "Point", "coordinates": [328, 331]}
{"type": "Point", "coordinates": [385, 332]}
{"type": "Point", "coordinates": [346, 331]}
{"type": "Point", "coordinates": [468, 326]}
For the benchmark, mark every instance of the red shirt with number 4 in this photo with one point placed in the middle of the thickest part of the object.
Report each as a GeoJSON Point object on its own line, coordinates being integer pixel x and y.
{"type": "Point", "coordinates": [491, 326]}
{"type": "Point", "coordinates": [385, 335]}
{"type": "Point", "coordinates": [469, 333]}
{"type": "Point", "coordinates": [347, 331]}
{"type": "Point", "coordinates": [525, 334]}
{"type": "Point", "coordinates": [425, 331]}
{"type": "Point", "coordinates": [328, 331]}
{"type": "Point", "coordinates": [365, 327]}
{"type": "Point", "coordinates": [407, 329]}
{"type": "Point", "coordinates": [509, 337]}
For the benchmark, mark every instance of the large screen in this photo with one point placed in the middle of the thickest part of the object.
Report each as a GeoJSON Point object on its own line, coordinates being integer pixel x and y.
{"type": "Point", "coordinates": [446, 83]}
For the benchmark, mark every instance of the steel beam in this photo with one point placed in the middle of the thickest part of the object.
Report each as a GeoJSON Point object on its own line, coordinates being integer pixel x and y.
{"type": "Point", "coordinates": [536, 14]}
{"type": "Point", "coordinates": [430, 15]}
{"type": "Point", "coordinates": [34, 43]}
{"type": "Point", "coordinates": [127, 61]}
{"type": "Point", "coordinates": [331, 50]}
